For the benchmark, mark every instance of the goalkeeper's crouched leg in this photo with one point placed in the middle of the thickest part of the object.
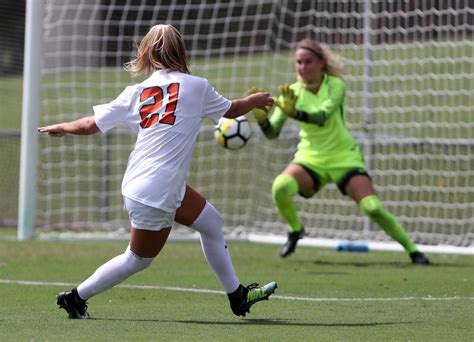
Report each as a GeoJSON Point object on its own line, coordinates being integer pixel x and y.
{"type": "Point", "coordinates": [372, 207]}
{"type": "Point", "coordinates": [284, 188]}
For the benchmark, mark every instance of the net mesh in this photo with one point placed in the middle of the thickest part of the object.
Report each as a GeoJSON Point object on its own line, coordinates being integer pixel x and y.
{"type": "Point", "coordinates": [409, 79]}
{"type": "Point", "coordinates": [11, 57]}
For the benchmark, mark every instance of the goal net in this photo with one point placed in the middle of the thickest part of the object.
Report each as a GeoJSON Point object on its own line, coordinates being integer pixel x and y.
{"type": "Point", "coordinates": [409, 78]}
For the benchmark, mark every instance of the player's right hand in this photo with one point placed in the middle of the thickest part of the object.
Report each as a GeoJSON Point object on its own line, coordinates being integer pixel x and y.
{"type": "Point", "coordinates": [259, 114]}
{"type": "Point", "coordinates": [53, 130]}
{"type": "Point", "coordinates": [287, 100]}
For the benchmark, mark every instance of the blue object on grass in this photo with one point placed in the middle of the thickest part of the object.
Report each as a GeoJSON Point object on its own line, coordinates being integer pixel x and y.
{"type": "Point", "coordinates": [351, 246]}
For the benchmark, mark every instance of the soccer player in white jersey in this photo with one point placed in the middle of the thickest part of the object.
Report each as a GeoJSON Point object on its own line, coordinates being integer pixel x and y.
{"type": "Point", "coordinates": [166, 112]}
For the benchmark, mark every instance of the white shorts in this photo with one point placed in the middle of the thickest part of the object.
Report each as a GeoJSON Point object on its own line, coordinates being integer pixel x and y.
{"type": "Point", "coordinates": [145, 217]}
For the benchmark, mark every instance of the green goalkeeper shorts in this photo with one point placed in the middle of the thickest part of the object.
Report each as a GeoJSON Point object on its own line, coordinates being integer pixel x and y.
{"type": "Point", "coordinates": [338, 167]}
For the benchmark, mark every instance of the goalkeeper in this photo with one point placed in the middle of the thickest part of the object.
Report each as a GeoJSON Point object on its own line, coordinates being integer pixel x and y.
{"type": "Point", "coordinates": [326, 153]}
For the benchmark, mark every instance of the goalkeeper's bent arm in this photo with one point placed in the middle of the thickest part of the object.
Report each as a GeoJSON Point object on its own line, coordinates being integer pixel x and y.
{"type": "Point", "coordinates": [272, 126]}
{"type": "Point", "coordinates": [335, 99]}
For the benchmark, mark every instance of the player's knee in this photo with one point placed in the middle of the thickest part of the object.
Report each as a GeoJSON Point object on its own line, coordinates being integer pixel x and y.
{"type": "Point", "coordinates": [136, 263]}
{"type": "Point", "coordinates": [371, 206]}
{"type": "Point", "coordinates": [214, 217]}
{"type": "Point", "coordinates": [209, 222]}
{"type": "Point", "coordinates": [284, 186]}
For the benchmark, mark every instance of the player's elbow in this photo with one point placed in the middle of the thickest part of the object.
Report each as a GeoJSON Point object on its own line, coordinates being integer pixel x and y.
{"type": "Point", "coordinates": [235, 110]}
{"type": "Point", "coordinates": [88, 126]}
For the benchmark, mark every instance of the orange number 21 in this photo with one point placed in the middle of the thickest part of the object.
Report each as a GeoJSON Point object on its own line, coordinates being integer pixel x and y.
{"type": "Point", "coordinates": [149, 112]}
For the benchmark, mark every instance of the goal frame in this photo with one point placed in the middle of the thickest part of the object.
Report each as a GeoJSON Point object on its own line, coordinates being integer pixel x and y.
{"type": "Point", "coordinates": [31, 107]}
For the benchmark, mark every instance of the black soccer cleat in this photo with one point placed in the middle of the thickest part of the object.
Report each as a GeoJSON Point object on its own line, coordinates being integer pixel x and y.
{"type": "Point", "coordinates": [419, 258]}
{"type": "Point", "coordinates": [290, 245]}
{"type": "Point", "coordinates": [244, 297]}
{"type": "Point", "coordinates": [73, 304]}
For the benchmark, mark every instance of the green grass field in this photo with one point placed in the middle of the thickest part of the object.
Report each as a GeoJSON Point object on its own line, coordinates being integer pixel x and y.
{"type": "Point", "coordinates": [323, 295]}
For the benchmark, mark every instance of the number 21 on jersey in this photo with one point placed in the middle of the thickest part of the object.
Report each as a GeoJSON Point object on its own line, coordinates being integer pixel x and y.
{"type": "Point", "coordinates": [149, 113]}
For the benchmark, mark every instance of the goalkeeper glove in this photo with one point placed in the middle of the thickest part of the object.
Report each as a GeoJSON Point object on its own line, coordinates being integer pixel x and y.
{"type": "Point", "coordinates": [260, 115]}
{"type": "Point", "coordinates": [287, 100]}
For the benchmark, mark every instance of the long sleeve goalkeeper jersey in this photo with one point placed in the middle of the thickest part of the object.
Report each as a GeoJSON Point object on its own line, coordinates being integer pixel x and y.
{"type": "Point", "coordinates": [333, 136]}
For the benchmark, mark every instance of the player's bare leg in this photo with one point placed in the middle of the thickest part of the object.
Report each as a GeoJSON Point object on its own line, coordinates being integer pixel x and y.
{"type": "Point", "coordinates": [148, 243]}
{"type": "Point", "coordinates": [191, 207]}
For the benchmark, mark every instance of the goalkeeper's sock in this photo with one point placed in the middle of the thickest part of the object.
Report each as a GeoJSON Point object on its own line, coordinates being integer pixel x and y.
{"type": "Point", "coordinates": [112, 273]}
{"type": "Point", "coordinates": [283, 189]}
{"type": "Point", "coordinates": [372, 207]}
{"type": "Point", "coordinates": [209, 225]}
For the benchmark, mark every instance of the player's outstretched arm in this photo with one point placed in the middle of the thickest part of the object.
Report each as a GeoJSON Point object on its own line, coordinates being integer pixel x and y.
{"type": "Point", "coordinates": [83, 126]}
{"type": "Point", "coordinates": [242, 106]}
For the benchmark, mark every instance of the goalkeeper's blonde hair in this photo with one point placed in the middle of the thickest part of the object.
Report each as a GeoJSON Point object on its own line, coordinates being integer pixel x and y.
{"type": "Point", "coordinates": [162, 48]}
{"type": "Point", "coordinates": [333, 62]}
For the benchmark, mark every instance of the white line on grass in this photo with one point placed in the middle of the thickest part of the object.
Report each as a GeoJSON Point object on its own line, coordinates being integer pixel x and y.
{"type": "Point", "coordinates": [184, 289]}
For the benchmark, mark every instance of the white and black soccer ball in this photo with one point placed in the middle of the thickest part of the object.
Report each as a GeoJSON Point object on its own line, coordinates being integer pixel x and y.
{"type": "Point", "coordinates": [233, 133]}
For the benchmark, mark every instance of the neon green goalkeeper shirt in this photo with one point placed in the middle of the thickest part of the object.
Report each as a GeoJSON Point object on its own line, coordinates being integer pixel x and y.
{"type": "Point", "coordinates": [330, 138]}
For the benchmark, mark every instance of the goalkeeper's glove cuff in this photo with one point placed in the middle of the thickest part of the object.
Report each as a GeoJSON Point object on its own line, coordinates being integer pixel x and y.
{"type": "Point", "coordinates": [318, 118]}
{"type": "Point", "coordinates": [264, 125]}
{"type": "Point", "coordinates": [259, 115]}
{"type": "Point", "coordinates": [301, 116]}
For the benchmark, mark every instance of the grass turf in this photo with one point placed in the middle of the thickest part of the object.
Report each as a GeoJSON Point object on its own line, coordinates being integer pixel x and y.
{"type": "Point", "coordinates": [323, 295]}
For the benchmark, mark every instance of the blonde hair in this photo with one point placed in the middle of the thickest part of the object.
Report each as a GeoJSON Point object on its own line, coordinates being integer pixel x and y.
{"type": "Point", "coordinates": [162, 48]}
{"type": "Point", "coordinates": [333, 64]}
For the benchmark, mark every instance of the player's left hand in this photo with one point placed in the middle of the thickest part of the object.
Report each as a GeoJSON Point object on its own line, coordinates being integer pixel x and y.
{"type": "Point", "coordinates": [287, 100]}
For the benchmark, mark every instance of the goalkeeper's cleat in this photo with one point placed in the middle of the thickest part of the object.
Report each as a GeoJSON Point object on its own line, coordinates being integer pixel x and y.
{"type": "Point", "coordinates": [290, 245]}
{"type": "Point", "coordinates": [244, 297]}
{"type": "Point", "coordinates": [73, 304]}
{"type": "Point", "coordinates": [419, 258]}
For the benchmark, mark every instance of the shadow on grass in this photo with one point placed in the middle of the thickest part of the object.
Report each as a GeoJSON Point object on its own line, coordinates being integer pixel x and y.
{"type": "Point", "coordinates": [260, 322]}
{"type": "Point", "coordinates": [362, 264]}
{"type": "Point", "coordinates": [393, 264]}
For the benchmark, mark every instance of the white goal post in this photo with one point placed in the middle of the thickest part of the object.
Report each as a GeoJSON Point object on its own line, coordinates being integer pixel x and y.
{"type": "Point", "coordinates": [409, 78]}
{"type": "Point", "coordinates": [30, 119]}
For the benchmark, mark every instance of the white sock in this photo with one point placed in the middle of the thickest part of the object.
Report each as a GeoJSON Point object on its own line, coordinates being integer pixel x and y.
{"type": "Point", "coordinates": [209, 225]}
{"type": "Point", "coordinates": [112, 273]}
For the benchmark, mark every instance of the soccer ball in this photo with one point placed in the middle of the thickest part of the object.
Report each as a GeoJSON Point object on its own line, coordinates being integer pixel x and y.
{"type": "Point", "coordinates": [232, 133]}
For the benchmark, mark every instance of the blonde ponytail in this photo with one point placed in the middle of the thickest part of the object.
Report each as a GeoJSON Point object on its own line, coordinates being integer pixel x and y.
{"type": "Point", "coordinates": [162, 48]}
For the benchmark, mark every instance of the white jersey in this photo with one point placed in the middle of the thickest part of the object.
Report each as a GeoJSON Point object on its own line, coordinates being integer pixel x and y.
{"type": "Point", "coordinates": [166, 111]}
